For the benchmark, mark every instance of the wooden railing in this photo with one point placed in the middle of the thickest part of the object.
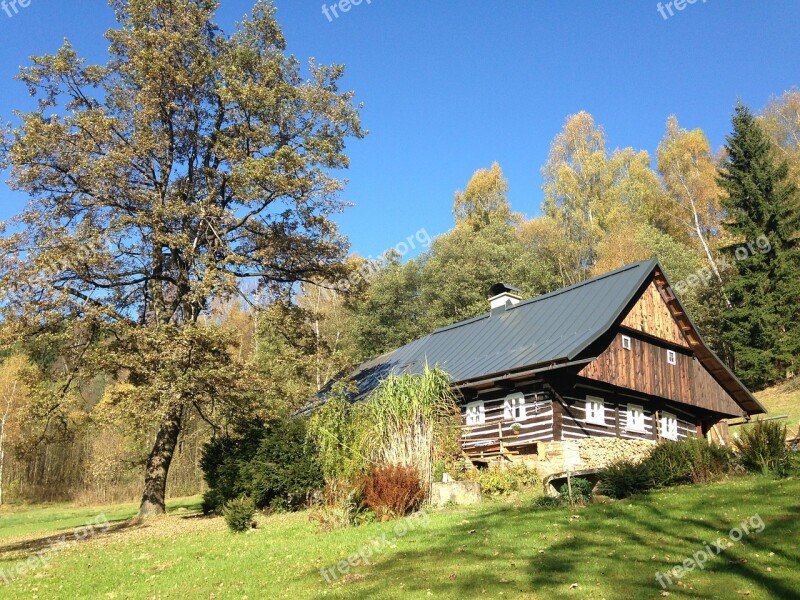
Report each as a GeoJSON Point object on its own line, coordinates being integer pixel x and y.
{"type": "Point", "coordinates": [499, 430]}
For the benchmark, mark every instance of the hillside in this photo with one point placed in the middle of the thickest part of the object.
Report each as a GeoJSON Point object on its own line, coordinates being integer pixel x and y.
{"type": "Point", "coordinates": [783, 399]}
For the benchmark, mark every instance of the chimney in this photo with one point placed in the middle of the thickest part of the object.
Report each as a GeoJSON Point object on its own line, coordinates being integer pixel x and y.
{"type": "Point", "coordinates": [501, 296]}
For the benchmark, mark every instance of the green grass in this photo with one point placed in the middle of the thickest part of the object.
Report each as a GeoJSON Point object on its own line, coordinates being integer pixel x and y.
{"type": "Point", "coordinates": [783, 399]}
{"type": "Point", "coordinates": [495, 550]}
{"type": "Point", "coordinates": [51, 519]}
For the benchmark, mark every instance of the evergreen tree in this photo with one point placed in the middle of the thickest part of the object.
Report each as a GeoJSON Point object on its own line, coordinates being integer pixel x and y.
{"type": "Point", "coordinates": [763, 219]}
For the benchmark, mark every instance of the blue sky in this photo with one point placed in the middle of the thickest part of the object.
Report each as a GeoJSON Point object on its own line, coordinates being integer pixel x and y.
{"type": "Point", "coordinates": [450, 86]}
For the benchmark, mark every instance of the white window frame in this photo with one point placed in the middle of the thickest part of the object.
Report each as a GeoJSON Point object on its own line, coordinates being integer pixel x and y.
{"type": "Point", "coordinates": [634, 424]}
{"type": "Point", "coordinates": [475, 413]}
{"type": "Point", "coordinates": [669, 426]}
{"type": "Point", "coordinates": [672, 357]}
{"type": "Point", "coordinates": [514, 407]}
{"type": "Point", "coordinates": [595, 410]}
{"type": "Point", "coordinates": [626, 342]}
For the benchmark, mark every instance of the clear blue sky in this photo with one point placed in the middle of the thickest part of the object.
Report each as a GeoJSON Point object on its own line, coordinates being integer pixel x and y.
{"type": "Point", "coordinates": [450, 86]}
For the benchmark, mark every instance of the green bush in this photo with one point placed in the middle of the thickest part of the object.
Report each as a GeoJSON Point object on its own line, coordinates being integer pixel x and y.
{"type": "Point", "coordinates": [692, 460]}
{"type": "Point", "coordinates": [547, 502]}
{"type": "Point", "coordinates": [625, 478]}
{"type": "Point", "coordinates": [212, 501]}
{"type": "Point", "coordinates": [272, 464]}
{"type": "Point", "coordinates": [496, 481]}
{"type": "Point", "coordinates": [762, 448]}
{"type": "Point", "coordinates": [239, 514]}
{"type": "Point", "coordinates": [581, 490]}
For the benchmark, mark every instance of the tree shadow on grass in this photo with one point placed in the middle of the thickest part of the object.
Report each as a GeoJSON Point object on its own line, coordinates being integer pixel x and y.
{"type": "Point", "coordinates": [609, 550]}
{"type": "Point", "coordinates": [70, 537]}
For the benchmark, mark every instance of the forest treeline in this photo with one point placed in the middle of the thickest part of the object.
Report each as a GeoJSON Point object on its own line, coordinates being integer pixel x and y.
{"type": "Point", "coordinates": [148, 308]}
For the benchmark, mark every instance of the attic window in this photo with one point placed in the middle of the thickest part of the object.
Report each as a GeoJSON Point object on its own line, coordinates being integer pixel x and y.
{"type": "Point", "coordinates": [514, 407]}
{"type": "Point", "coordinates": [672, 358]}
{"type": "Point", "coordinates": [626, 342]}
{"type": "Point", "coordinates": [476, 413]}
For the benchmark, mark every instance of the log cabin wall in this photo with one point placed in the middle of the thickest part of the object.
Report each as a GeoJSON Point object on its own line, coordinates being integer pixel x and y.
{"type": "Point", "coordinates": [644, 367]}
{"type": "Point", "coordinates": [537, 424]}
{"type": "Point", "coordinates": [575, 424]}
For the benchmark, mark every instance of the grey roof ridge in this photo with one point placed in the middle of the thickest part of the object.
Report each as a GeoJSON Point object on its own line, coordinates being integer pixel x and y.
{"type": "Point", "coordinates": [558, 292]}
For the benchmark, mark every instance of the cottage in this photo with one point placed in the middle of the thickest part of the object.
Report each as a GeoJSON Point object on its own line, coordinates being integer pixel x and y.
{"type": "Point", "coordinates": [578, 377]}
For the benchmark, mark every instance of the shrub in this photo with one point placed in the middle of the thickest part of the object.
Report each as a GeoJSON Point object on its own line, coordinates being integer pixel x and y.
{"type": "Point", "coordinates": [239, 514]}
{"type": "Point", "coordinates": [340, 506]}
{"type": "Point", "coordinates": [270, 463]}
{"type": "Point", "coordinates": [692, 460]}
{"type": "Point", "coordinates": [625, 478]}
{"type": "Point", "coordinates": [212, 501]}
{"type": "Point", "coordinates": [499, 481]}
{"type": "Point", "coordinates": [581, 490]}
{"type": "Point", "coordinates": [762, 448]}
{"type": "Point", "coordinates": [392, 491]}
{"type": "Point", "coordinates": [547, 502]}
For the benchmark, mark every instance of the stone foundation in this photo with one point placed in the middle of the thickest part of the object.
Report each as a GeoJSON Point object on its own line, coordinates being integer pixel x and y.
{"type": "Point", "coordinates": [584, 454]}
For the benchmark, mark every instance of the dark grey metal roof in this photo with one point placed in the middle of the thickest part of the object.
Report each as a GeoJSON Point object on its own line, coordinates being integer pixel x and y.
{"type": "Point", "coordinates": [555, 327]}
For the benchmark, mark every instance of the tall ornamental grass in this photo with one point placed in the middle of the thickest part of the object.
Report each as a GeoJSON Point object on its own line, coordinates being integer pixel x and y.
{"type": "Point", "coordinates": [407, 416]}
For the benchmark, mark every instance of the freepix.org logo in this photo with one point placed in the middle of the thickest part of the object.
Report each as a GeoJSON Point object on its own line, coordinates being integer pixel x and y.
{"type": "Point", "coordinates": [332, 11]}
{"type": "Point", "coordinates": [12, 7]}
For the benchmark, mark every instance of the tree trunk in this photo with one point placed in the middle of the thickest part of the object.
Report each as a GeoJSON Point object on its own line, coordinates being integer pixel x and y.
{"type": "Point", "coordinates": [9, 400]}
{"type": "Point", "coordinates": [157, 468]}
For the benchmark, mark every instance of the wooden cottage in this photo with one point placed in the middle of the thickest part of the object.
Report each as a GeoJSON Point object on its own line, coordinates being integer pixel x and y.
{"type": "Point", "coordinates": [578, 377]}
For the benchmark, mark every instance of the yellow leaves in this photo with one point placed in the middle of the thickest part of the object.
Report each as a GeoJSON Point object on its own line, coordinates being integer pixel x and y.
{"type": "Point", "coordinates": [484, 200]}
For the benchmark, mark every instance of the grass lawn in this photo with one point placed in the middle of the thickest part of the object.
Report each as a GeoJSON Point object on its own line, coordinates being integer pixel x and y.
{"type": "Point", "coordinates": [496, 550]}
{"type": "Point", "coordinates": [781, 400]}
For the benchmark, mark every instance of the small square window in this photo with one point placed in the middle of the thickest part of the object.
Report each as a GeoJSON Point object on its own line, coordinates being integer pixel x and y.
{"type": "Point", "coordinates": [595, 410]}
{"type": "Point", "coordinates": [476, 413]}
{"type": "Point", "coordinates": [514, 407]}
{"type": "Point", "coordinates": [669, 426]}
{"type": "Point", "coordinates": [635, 418]}
{"type": "Point", "coordinates": [672, 358]}
{"type": "Point", "coordinates": [626, 342]}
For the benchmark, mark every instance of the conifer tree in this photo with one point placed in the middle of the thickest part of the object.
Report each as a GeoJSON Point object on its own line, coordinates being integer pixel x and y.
{"type": "Point", "coordinates": [763, 220]}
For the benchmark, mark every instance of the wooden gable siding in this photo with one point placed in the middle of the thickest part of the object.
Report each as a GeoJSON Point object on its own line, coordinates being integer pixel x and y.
{"type": "Point", "coordinates": [536, 427]}
{"type": "Point", "coordinates": [650, 315]}
{"type": "Point", "coordinates": [575, 426]}
{"type": "Point", "coordinates": [644, 368]}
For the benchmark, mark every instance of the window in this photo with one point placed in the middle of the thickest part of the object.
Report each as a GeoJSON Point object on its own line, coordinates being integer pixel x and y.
{"type": "Point", "coordinates": [635, 418]}
{"type": "Point", "coordinates": [595, 410]}
{"type": "Point", "coordinates": [514, 407]}
{"type": "Point", "coordinates": [626, 342]}
{"type": "Point", "coordinates": [476, 413]}
{"type": "Point", "coordinates": [672, 358]}
{"type": "Point", "coordinates": [669, 426]}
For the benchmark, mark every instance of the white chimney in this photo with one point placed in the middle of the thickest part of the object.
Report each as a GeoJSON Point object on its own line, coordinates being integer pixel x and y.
{"type": "Point", "coordinates": [503, 296]}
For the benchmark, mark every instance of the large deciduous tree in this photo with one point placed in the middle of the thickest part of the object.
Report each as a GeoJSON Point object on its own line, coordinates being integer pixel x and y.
{"type": "Point", "coordinates": [689, 170]}
{"type": "Point", "coordinates": [190, 162]}
{"type": "Point", "coordinates": [763, 218]}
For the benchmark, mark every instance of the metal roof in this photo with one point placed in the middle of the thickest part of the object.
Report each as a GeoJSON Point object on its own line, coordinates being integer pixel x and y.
{"type": "Point", "coordinates": [550, 328]}
{"type": "Point", "coordinates": [542, 332]}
